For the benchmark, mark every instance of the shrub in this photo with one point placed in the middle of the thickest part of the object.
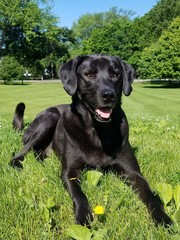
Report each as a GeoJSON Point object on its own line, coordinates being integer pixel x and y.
{"type": "Point", "coordinates": [10, 70]}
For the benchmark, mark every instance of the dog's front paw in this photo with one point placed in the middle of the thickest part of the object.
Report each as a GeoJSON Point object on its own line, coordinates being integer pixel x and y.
{"type": "Point", "coordinates": [83, 216]}
{"type": "Point", "coordinates": [16, 163]}
{"type": "Point", "coordinates": [162, 218]}
{"type": "Point", "coordinates": [158, 214]}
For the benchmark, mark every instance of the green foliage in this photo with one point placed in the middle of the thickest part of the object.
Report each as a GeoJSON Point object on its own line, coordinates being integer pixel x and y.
{"type": "Point", "coordinates": [165, 192]}
{"type": "Point", "coordinates": [10, 70]}
{"type": "Point", "coordinates": [85, 25]}
{"type": "Point", "coordinates": [99, 33]}
{"type": "Point", "coordinates": [158, 19]}
{"type": "Point", "coordinates": [149, 43]}
{"type": "Point", "coordinates": [113, 39]}
{"type": "Point", "coordinates": [31, 33]}
{"type": "Point", "coordinates": [177, 196]}
{"type": "Point", "coordinates": [79, 232]}
{"type": "Point", "coordinates": [93, 178]}
{"type": "Point", "coordinates": [161, 60]}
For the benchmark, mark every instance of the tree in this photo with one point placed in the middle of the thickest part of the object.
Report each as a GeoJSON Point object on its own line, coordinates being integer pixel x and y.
{"type": "Point", "coordinates": [90, 24]}
{"type": "Point", "coordinates": [112, 39]}
{"type": "Point", "coordinates": [159, 18]}
{"type": "Point", "coordinates": [162, 59]}
{"type": "Point", "coordinates": [55, 51]}
{"type": "Point", "coordinates": [31, 33]}
{"type": "Point", "coordinates": [149, 27]}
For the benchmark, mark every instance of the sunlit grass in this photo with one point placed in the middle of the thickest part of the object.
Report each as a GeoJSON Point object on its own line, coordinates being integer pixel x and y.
{"type": "Point", "coordinates": [25, 196]}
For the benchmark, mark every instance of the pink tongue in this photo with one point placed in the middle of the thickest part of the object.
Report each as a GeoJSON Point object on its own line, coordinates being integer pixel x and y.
{"type": "Point", "coordinates": [104, 113]}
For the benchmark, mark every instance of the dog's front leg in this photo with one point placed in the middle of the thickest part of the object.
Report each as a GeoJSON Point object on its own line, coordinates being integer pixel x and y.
{"type": "Point", "coordinates": [129, 167]}
{"type": "Point", "coordinates": [82, 209]}
{"type": "Point", "coordinates": [152, 202]}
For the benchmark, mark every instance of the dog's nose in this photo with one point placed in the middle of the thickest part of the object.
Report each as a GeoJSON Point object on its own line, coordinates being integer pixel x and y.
{"type": "Point", "coordinates": [108, 95]}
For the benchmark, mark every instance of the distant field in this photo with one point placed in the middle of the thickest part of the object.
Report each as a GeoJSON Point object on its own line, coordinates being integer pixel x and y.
{"type": "Point", "coordinates": [36, 96]}
{"type": "Point", "coordinates": [33, 202]}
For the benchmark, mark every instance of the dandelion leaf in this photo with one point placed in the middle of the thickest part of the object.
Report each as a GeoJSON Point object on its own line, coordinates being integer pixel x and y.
{"type": "Point", "coordinates": [165, 192]}
{"type": "Point", "coordinates": [99, 234]}
{"type": "Point", "coordinates": [46, 214]}
{"type": "Point", "coordinates": [177, 196]}
{"type": "Point", "coordinates": [50, 203]}
{"type": "Point", "coordinates": [93, 177]}
{"type": "Point", "coordinates": [79, 232]}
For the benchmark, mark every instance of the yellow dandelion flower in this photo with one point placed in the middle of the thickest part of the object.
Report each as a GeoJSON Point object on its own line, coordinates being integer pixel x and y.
{"type": "Point", "coordinates": [99, 210]}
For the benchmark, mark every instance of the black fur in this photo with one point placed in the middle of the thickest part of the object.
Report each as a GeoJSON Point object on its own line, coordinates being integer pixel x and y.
{"type": "Point", "coordinates": [18, 122]}
{"type": "Point", "coordinates": [91, 132]}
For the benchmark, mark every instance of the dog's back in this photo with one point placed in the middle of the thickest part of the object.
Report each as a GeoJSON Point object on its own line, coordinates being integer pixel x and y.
{"type": "Point", "coordinates": [18, 120]}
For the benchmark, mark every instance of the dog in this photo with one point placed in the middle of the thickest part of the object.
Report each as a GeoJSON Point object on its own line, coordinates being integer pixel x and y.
{"type": "Point", "coordinates": [92, 131]}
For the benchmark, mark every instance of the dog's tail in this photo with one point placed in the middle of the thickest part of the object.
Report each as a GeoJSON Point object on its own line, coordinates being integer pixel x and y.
{"type": "Point", "coordinates": [18, 120]}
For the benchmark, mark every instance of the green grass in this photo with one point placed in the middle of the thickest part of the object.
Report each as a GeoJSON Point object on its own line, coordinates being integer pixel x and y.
{"type": "Point", "coordinates": [154, 117]}
{"type": "Point", "coordinates": [37, 97]}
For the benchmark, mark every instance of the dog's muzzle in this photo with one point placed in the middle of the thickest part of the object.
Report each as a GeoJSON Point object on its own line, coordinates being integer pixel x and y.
{"type": "Point", "coordinates": [107, 102]}
{"type": "Point", "coordinates": [108, 98]}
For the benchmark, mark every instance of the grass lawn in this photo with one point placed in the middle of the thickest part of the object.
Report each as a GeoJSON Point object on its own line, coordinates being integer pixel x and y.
{"type": "Point", "coordinates": [33, 202]}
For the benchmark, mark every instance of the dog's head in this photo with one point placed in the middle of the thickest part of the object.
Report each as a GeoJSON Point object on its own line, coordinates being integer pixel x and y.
{"type": "Point", "coordinates": [98, 80]}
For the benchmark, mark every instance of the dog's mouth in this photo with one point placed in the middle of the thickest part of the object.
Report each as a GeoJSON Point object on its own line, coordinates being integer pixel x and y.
{"type": "Point", "coordinates": [103, 114]}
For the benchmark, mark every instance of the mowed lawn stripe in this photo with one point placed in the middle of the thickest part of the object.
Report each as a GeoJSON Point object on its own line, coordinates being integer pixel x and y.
{"type": "Point", "coordinates": [147, 101]}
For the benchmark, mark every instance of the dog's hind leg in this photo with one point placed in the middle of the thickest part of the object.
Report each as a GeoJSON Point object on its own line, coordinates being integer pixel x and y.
{"type": "Point", "coordinates": [38, 136]}
{"type": "Point", "coordinates": [16, 161]}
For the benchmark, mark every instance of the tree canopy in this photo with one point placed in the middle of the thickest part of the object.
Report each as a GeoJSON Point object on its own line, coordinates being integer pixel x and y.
{"type": "Point", "coordinates": [162, 59]}
{"type": "Point", "coordinates": [30, 33]}
{"type": "Point", "coordinates": [150, 43]}
{"type": "Point", "coordinates": [113, 39]}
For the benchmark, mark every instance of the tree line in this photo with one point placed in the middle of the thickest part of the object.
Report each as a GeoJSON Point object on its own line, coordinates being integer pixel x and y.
{"type": "Point", "coordinates": [31, 38]}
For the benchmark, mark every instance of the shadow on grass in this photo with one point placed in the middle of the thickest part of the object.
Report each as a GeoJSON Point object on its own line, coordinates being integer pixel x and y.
{"type": "Point", "coordinates": [135, 149]}
{"type": "Point", "coordinates": [16, 84]}
{"type": "Point", "coordinates": [21, 84]}
{"type": "Point", "coordinates": [162, 84]}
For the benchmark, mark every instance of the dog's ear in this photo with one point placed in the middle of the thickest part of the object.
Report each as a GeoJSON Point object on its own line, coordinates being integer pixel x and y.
{"type": "Point", "coordinates": [128, 77]}
{"type": "Point", "coordinates": [68, 76]}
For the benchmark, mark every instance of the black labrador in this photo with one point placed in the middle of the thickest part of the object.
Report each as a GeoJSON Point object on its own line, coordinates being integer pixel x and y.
{"type": "Point", "coordinates": [91, 132]}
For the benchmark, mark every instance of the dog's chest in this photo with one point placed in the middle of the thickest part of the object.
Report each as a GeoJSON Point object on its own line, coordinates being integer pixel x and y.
{"type": "Point", "coordinates": [91, 143]}
{"type": "Point", "coordinates": [93, 147]}
{"type": "Point", "coordinates": [105, 145]}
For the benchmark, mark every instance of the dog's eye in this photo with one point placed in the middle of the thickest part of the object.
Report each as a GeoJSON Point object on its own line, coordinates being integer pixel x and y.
{"type": "Point", "coordinates": [114, 75]}
{"type": "Point", "coordinates": [88, 74]}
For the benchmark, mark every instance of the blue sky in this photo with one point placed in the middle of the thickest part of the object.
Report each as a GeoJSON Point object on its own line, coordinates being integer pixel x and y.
{"type": "Point", "coordinates": [70, 10]}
